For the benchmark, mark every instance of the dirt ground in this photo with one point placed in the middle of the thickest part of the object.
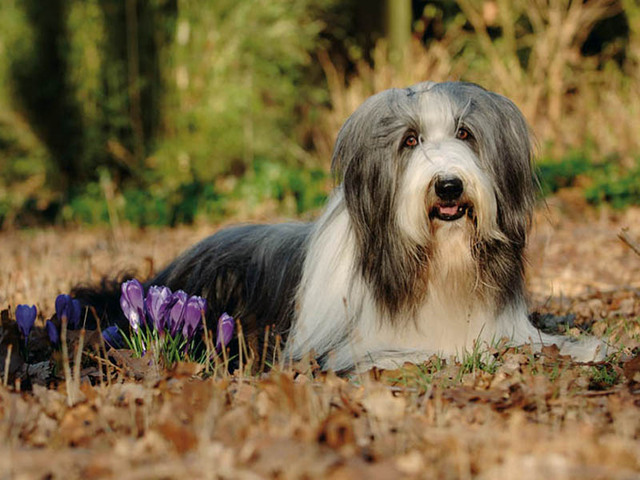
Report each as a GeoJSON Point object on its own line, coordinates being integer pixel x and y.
{"type": "Point", "coordinates": [515, 415]}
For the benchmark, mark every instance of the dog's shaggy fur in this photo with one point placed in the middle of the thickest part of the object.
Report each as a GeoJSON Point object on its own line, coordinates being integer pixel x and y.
{"type": "Point", "coordinates": [418, 252]}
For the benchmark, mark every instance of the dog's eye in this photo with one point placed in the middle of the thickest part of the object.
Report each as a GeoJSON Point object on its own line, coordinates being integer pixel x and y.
{"type": "Point", "coordinates": [463, 134]}
{"type": "Point", "coordinates": [410, 141]}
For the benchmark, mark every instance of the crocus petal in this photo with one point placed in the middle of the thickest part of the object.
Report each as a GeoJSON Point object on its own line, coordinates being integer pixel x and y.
{"type": "Point", "coordinates": [113, 337]}
{"type": "Point", "coordinates": [62, 306]}
{"type": "Point", "coordinates": [193, 314]}
{"type": "Point", "coordinates": [176, 314]}
{"type": "Point", "coordinates": [69, 308]}
{"type": "Point", "coordinates": [132, 303]}
{"type": "Point", "coordinates": [226, 325]}
{"type": "Point", "coordinates": [158, 303]}
{"type": "Point", "coordinates": [26, 317]}
{"type": "Point", "coordinates": [75, 314]}
{"type": "Point", "coordinates": [52, 331]}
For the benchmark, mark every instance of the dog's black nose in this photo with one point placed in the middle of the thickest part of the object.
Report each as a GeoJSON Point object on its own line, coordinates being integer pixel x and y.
{"type": "Point", "coordinates": [449, 188]}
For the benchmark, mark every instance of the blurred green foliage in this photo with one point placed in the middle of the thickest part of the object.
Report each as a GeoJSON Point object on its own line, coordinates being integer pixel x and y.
{"type": "Point", "coordinates": [142, 109]}
{"type": "Point", "coordinates": [605, 181]}
{"type": "Point", "coordinates": [239, 79]}
{"type": "Point", "coordinates": [268, 188]}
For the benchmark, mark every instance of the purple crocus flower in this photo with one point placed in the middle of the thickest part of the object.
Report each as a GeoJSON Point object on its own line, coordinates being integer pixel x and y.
{"type": "Point", "coordinates": [226, 325]}
{"type": "Point", "coordinates": [158, 302]}
{"type": "Point", "coordinates": [194, 312]}
{"type": "Point", "coordinates": [176, 314]}
{"type": "Point", "coordinates": [112, 336]}
{"type": "Point", "coordinates": [69, 308]}
{"type": "Point", "coordinates": [132, 303]}
{"type": "Point", "coordinates": [26, 317]}
{"type": "Point", "coordinates": [52, 331]}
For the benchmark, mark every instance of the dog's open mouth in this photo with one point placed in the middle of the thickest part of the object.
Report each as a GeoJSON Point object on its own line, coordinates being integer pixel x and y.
{"type": "Point", "coordinates": [449, 211]}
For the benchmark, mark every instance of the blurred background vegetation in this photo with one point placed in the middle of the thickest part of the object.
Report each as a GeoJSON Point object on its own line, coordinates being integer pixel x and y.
{"type": "Point", "coordinates": [160, 112]}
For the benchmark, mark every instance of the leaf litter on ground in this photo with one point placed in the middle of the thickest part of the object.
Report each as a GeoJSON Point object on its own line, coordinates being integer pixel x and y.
{"type": "Point", "coordinates": [505, 413]}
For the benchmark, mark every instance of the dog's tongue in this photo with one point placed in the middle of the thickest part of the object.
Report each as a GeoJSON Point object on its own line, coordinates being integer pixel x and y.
{"type": "Point", "coordinates": [450, 211]}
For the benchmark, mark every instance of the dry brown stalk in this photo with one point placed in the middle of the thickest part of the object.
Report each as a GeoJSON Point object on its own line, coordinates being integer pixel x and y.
{"type": "Point", "coordinates": [626, 238]}
{"type": "Point", "coordinates": [7, 364]}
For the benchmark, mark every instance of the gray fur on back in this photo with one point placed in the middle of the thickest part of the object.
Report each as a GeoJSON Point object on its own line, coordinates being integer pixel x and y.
{"type": "Point", "coordinates": [250, 272]}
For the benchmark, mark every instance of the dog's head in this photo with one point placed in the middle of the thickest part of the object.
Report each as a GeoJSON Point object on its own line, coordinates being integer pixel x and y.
{"type": "Point", "coordinates": [432, 158]}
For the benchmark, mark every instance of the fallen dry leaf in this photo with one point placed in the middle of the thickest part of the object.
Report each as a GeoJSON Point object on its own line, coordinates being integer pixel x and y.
{"type": "Point", "coordinates": [337, 430]}
{"type": "Point", "coordinates": [182, 437]}
{"type": "Point", "coordinates": [631, 369]}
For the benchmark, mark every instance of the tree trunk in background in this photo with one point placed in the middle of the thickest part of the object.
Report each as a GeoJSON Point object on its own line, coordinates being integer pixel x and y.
{"type": "Point", "coordinates": [45, 93]}
{"type": "Point", "coordinates": [397, 26]}
{"type": "Point", "coordinates": [133, 70]}
{"type": "Point", "coordinates": [131, 76]}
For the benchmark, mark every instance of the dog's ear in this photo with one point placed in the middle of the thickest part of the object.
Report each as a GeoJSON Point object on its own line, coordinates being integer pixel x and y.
{"type": "Point", "coordinates": [363, 158]}
{"type": "Point", "coordinates": [505, 144]}
{"type": "Point", "coordinates": [355, 135]}
{"type": "Point", "coordinates": [515, 169]}
{"type": "Point", "coordinates": [348, 145]}
{"type": "Point", "coordinates": [364, 161]}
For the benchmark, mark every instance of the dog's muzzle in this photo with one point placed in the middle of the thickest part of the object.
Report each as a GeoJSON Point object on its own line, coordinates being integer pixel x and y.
{"type": "Point", "coordinates": [449, 206]}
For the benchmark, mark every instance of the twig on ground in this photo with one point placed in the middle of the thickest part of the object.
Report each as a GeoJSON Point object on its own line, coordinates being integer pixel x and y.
{"type": "Point", "coordinates": [68, 379]}
{"type": "Point", "coordinates": [78, 363]}
{"type": "Point", "coordinates": [626, 238]}
{"type": "Point", "coordinates": [7, 364]}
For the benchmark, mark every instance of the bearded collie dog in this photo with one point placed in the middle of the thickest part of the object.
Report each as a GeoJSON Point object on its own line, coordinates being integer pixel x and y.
{"type": "Point", "coordinates": [419, 250]}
